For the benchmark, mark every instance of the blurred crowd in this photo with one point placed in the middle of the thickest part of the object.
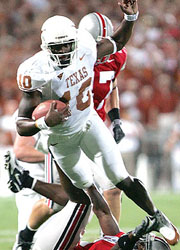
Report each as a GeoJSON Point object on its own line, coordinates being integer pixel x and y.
{"type": "Point", "coordinates": [149, 87]}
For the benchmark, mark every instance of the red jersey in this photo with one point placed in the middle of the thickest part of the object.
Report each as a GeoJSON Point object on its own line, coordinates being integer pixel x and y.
{"type": "Point", "coordinates": [104, 75]}
{"type": "Point", "coordinates": [106, 243]}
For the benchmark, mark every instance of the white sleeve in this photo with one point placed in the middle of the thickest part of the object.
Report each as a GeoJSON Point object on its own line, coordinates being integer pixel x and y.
{"type": "Point", "coordinates": [114, 44]}
{"type": "Point", "coordinates": [33, 73]}
{"type": "Point", "coordinates": [28, 80]}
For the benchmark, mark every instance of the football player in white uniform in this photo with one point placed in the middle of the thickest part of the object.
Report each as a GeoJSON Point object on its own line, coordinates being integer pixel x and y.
{"type": "Point", "coordinates": [41, 211]}
{"type": "Point", "coordinates": [64, 70]}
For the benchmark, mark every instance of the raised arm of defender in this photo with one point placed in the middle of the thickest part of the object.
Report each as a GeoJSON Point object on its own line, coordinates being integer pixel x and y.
{"type": "Point", "coordinates": [121, 36]}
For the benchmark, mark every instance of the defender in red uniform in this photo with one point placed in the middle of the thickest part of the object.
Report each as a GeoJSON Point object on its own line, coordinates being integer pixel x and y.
{"type": "Point", "coordinates": [105, 81]}
{"type": "Point", "coordinates": [105, 71]}
{"type": "Point", "coordinates": [105, 87]}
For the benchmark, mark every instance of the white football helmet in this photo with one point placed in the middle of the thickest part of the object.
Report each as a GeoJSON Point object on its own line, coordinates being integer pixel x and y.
{"type": "Point", "coordinates": [99, 26]}
{"type": "Point", "coordinates": [59, 40]}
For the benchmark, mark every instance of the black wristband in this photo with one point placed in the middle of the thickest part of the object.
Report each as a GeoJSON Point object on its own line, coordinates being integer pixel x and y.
{"type": "Point", "coordinates": [27, 180]}
{"type": "Point", "coordinates": [114, 114]}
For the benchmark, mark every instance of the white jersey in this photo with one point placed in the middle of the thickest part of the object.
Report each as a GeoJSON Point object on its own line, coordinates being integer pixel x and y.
{"type": "Point", "coordinates": [73, 83]}
{"type": "Point", "coordinates": [84, 130]}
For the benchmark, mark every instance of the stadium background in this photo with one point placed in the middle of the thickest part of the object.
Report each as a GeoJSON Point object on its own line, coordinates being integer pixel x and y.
{"type": "Point", "coordinates": [149, 88]}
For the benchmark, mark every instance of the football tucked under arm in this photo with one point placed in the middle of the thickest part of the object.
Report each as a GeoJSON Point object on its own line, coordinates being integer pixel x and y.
{"type": "Point", "coordinates": [42, 109]}
{"type": "Point", "coordinates": [50, 113]}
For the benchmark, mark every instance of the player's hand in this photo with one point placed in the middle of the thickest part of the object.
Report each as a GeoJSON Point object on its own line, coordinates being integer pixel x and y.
{"type": "Point", "coordinates": [128, 241]}
{"type": "Point", "coordinates": [129, 7]}
{"type": "Point", "coordinates": [118, 132]}
{"type": "Point", "coordinates": [18, 177]}
{"type": "Point", "coordinates": [142, 229]}
{"type": "Point", "coordinates": [55, 117]}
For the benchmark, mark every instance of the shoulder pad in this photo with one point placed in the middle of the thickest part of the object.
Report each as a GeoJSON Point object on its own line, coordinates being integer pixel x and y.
{"type": "Point", "coordinates": [33, 73]}
{"type": "Point", "coordinates": [87, 41]}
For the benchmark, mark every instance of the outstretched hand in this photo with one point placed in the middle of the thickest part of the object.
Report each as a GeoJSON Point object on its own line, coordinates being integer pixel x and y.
{"type": "Point", "coordinates": [128, 241]}
{"type": "Point", "coordinates": [55, 117]}
{"type": "Point", "coordinates": [129, 7]}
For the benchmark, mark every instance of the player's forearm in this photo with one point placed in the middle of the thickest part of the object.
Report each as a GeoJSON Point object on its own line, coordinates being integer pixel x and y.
{"type": "Point", "coordinates": [54, 192]}
{"type": "Point", "coordinates": [122, 35]}
{"type": "Point", "coordinates": [118, 40]}
{"type": "Point", "coordinates": [114, 99]}
{"type": "Point", "coordinates": [31, 159]}
{"type": "Point", "coordinates": [28, 154]}
{"type": "Point", "coordinates": [75, 194]}
{"type": "Point", "coordinates": [26, 127]}
{"type": "Point", "coordinates": [100, 207]}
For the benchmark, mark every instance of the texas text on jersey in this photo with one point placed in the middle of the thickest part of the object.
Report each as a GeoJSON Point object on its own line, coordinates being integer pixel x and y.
{"type": "Point", "coordinates": [73, 83]}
